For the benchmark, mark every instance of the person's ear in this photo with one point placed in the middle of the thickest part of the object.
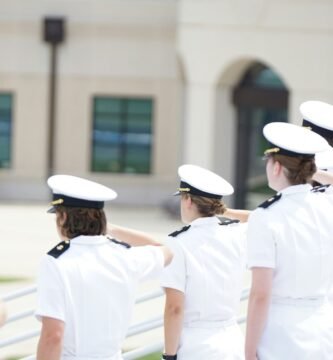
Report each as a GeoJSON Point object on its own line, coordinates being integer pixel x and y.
{"type": "Point", "coordinates": [277, 168]}
{"type": "Point", "coordinates": [188, 201]}
{"type": "Point", "coordinates": [61, 218]}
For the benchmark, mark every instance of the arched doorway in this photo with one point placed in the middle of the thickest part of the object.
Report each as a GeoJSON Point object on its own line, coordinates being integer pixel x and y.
{"type": "Point", "coordinates": [260, 97]}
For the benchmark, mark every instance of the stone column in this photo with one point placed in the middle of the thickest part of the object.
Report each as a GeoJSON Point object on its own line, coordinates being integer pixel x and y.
{"type": "Point", "coordinates": [200, 124]}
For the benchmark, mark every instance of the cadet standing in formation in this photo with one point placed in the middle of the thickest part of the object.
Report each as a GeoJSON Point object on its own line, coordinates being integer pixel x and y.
{"type": "Point", "coordinates": [204, 281]}
{"type": "Point", "coordinates": [87, 283]}
{"type": "Point", "coordinates": [87, 278]}
{"type": "Point", "coordinates": [290, 252]}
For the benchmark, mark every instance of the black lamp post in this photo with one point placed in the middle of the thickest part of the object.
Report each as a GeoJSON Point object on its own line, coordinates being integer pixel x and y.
{"type": "Point", "coordinates": [54, 34]}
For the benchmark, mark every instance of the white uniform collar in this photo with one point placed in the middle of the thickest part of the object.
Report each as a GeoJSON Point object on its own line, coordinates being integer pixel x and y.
{"type": "Point", "coordinates": [293, 189]}
{"type": "Point", "coordinates": [90, 240]}
{"type": "Point", "coordinates": [205, 221]}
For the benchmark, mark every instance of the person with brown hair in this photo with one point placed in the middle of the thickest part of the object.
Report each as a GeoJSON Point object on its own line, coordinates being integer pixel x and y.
{"type": "Point", "coordinates": [318, 117]}
{"type": "Point", "coordinates": [204, 281]}
{"type": "Point", "coordinates": [86, 283]}
{"type": "Point", "coordinates": [290, 251]}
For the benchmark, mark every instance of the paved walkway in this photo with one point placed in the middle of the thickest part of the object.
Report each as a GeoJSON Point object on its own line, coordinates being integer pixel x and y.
{"type": "Point", "coordinates": [27, 232]}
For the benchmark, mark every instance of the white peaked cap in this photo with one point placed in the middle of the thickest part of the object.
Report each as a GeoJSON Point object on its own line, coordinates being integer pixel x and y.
{"type": "Point", "coordinates": [293, 140]}
{"type": "Point", "coordinates": [318, 113]}
{"type": "Point", "coordinates": [324, 159]}
{"type": "Point", "coordinates": [77, 192]}
{"type": "Point", "coordinates": [196, 180]}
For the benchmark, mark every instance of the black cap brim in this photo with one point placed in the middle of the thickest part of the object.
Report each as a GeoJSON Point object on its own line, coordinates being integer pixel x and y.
{"type": "Point", "coordinates": [51, 210]}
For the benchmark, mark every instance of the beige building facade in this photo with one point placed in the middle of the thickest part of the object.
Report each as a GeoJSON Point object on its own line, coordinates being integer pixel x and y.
{"type": "Point", "coordinates": [201, 67]}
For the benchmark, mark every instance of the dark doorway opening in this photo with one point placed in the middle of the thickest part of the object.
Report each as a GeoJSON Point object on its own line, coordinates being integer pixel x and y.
{"type": "Point", "coordinates": [260, 98]}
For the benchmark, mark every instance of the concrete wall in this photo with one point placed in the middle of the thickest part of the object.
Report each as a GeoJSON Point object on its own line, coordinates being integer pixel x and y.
{"type": "Point", "coordinates": [219, 39]}
{"type": "Point", "coordinates": [188, 55]}
{"type": "Point", "coordinates": [120, 48]}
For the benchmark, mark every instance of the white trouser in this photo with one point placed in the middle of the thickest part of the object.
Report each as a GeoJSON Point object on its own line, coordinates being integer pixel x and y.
{"type": "Point", "coordinates": [298, 329]}
{"type": "Point", "coordinates": [211, 341]}
{"type": "Point", "coordinates": [114, 357]}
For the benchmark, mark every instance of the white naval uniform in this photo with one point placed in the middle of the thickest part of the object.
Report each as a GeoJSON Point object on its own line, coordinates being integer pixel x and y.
{"type": "Point", "coordinates": [208, 267]}
{"type": "Point", "coordinates": [294, 237]}
{"type": "Point", "coordinates": [91, 287]}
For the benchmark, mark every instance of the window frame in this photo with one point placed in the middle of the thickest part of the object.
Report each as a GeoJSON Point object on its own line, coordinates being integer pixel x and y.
{"type": "Point", "coordinates": [248, 97]}
{"type": "Point", "coordinates": [124, 130]}
{"type": "Point", "coordinates": [11, 127]}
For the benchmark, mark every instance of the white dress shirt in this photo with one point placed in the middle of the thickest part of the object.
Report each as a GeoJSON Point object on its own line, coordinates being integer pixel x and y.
{"type": "Point", "coordinates": [294, 236]}
{"type": "Point", "coordinates": [91, 288]}
{"type": "Point", "coordinates": [208, 267]}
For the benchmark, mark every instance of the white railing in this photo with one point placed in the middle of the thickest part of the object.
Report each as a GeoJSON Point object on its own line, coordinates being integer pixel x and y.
{"type": "Point", "coordinates": [135, 329]}
{"type": "Point", "coordinates": [19, 293]}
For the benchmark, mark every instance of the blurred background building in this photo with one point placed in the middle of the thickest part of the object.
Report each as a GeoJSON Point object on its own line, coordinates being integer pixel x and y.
{"type": "Point", "coordinates": [124, 91]}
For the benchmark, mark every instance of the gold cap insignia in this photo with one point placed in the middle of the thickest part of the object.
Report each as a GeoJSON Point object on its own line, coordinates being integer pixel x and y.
{"type": "Point", "coordinates": [184, 189]}
{"type": "Point", "coordinates": [272, 151]}
{"type": "Point", "coordinates": [57, 202]}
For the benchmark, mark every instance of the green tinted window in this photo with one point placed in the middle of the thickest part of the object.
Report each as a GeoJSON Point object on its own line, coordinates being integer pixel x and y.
{"type": "Point", "coordinates": [5, 129]}
{"type": "Point", "coordinates": [122, 135]}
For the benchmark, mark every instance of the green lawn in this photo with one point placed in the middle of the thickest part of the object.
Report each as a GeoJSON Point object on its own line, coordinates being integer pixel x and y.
{"type": "Point", "coordinates": [156, 356]}
{"type": "Point", "coordinates": [7, 279]}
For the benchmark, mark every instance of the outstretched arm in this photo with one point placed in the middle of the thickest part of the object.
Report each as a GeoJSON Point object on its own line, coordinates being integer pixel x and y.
{"type": "Point", "coordinates": [241, 215]}
{"type": "Point", "coordinates": [323, 177]}
{"type": "Point", "coordinates": [131, 236]}
{"type": "Point", "coordinates": [138, 238]}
